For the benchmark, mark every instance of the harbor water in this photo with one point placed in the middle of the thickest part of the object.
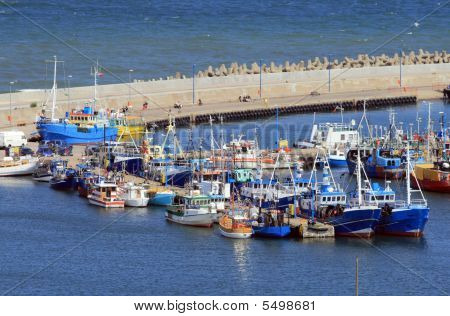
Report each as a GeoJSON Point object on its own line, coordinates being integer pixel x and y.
{"type": "Point", "coordinates": [55, 243]}
{"type": "Point", "coordinates": [158, 38]}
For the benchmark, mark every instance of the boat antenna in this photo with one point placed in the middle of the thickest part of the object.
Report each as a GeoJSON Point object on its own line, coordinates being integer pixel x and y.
{"type": "Point", "coordinates": [358, 174]}
{"type": "Point", "coordinates": [364, 119]}
{"type": "Point", "coordinates": [429, 132]}
{"type": "Point", "coordinates": [408, 180]}
{"type": "Point", "coordinates": [212, 134]}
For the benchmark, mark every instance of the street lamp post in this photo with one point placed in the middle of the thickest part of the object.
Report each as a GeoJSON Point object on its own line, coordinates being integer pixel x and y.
{"type": "Point", "coordinates": [329, 73]}
{"type": "Point", "coordinates": [68, 91]}
{"type": "Point", "coordinates": [260, 78]}
{"type": "Point", "coordinates": [401, 57]}
{"type": "Point", "coordinates": [193, 84]}
{"type": "Point", "coordinates": [129, 85]}
{"type": "Point", "coordinates": [11, 83]}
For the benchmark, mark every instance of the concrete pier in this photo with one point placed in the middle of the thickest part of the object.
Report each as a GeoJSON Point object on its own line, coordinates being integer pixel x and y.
{"type": "Point", "coordinates": [300, 225]}
{"type": "Point", "coordinates": [221, 94]}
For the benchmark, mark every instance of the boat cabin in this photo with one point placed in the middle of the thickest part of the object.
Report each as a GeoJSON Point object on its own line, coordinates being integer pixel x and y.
{"type": "Point", "coordinates": [381, 195]}
{"type": "Point", "coordinates": [384, 158]}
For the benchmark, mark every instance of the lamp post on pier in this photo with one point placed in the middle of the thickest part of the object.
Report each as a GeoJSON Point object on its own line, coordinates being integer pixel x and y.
{"type": "Point", "coordinates": [68, 91]}
{"type": "Point", "coordinates": [401, 58]}
{"type": "Point", "coordinates": [329, 72]}
{"type": "Point", "coordinates": [11, 83]}
{"type": "Point", "coordinates": [129, 85]}
{"type": "Point", "coordinates": [260, 78]}
{"type": "Point", "coordinates": [193, 84]}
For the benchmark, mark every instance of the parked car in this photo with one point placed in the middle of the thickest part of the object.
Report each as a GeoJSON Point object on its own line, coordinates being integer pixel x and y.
{"type": "Point", "coordinates": [51, 147]}
{"type": "Point", "coordinates": [25, 151]}
{"type": "Point", "coordinates": [44, 150]}
{"type": "Point", "coordinates": [91, 150]}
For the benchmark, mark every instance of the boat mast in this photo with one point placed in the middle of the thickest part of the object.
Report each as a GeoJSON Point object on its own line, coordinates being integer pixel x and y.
{"type": "Point", "coordinates": [358, 174]}
{"type": "Point", "coordinates": [212, 135]}
{"type": "Point", "coordinates": [408, 180]}
{"type": "Point", "coordinates": [429, 132]}
{"type": "Point", "coordinates": [54, 90]}
{"type": "Point", "coordinates": [95, 84]}
{"type": "Point", "coordinates": [443, 136]}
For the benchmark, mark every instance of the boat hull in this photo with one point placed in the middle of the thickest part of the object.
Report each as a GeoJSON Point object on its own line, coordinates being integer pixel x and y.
{"type": "Point", "coordinates": [162, 199]}
{"type": "Point", "coordinates": [139, 202]}
{"type": "Point", "coordinates": [404, 222]}
{"type": "Point", "coordinates": [72, 134]}
{"type": "Point", "coordinates": [235, 235]}
{"type": "Point", "coordinates": [20, 170]}
{"type": "Point", "coordinates": [337, 162]}
{"type": "Point", "coordinates": [198, 220]}
{"type": "Point", "coordinates": [272, 231]}
{"type": "Point", "coordinates": [378, 172]}
{"type": "Point", "coordinates": [178, 179]}
{"type": "Point", "coordinates": [62, 185]}
{"type": "Point", "coordinates": [356, 223]}
{"type": "Point", "coordinates": [442, 186]}
{"type": "Point", "coordinates": [46, 178]}
{"type": "Point", "coordinates": [107, 204]}
{"type": "Point", "coordinates": [133, 165]}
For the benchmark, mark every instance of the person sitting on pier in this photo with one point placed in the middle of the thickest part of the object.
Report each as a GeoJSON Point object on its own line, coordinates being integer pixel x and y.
{"type": "Point", "coordinates": [200, 102]}
{"type": "Point", "coordinates": [280, 217]}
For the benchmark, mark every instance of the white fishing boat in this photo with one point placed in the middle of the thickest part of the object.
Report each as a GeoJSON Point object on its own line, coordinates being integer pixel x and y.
{"type": "Point", "coordinates": [134, 195]}
{"type": "Point", "coordinates": [105, 195]}
{"type": "Point", "coordinates": [193, 210]}
{"type": "Point", "coordinates": [18, 166]}
{"type": "Point", "coordinates": [335, 138]}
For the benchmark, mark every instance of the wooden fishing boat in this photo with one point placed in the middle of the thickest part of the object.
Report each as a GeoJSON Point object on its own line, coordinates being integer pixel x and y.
{"type": "Point", "coordinates": [235, 226]}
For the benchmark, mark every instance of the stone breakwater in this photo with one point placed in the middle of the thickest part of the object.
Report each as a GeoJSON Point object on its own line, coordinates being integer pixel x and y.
{"type": "Point", "coordinates": [362, 60]}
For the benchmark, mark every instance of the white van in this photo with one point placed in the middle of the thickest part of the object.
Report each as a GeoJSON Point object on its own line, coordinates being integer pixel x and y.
{"type": "Point", "coordinates": [12, 139]}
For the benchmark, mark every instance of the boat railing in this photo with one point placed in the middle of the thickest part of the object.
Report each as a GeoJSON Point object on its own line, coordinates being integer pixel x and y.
{"type": "Point", "coordinates": [421, 202]}
{"type": "Point", "coordinates": [400, 203]}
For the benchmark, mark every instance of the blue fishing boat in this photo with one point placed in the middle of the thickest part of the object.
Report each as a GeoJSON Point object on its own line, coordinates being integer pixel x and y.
{"type": "Point", "coordinates": [171, 172]}
{"type": "Point", "coordinates": [380, 163]}
{"type": "Point", "coordinates": [326, 202]}
{"type": "Point", "coordinates": [161, 197]}
{"type": "Point", "coordinates": [337, 159]}
{"type": "Point", "coordinates": [400, 218]}
{"type": "Point", "coordinates": [78, 127]}
{"type": "Point", "coordinates": [63, 178]}
{"type": "Point", "coordinates": [270, 224]}
{"type": "Point", "coordinates": [269, 193]}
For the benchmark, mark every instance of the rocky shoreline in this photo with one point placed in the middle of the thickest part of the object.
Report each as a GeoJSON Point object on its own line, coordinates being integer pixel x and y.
{"type": "Point", "coordinates": [362, 60]}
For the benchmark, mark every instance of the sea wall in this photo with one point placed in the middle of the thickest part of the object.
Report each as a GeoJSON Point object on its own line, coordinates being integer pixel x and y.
{"type": "Point", "coordinates": [362, 60]}
{"type": "Point", "coordinates": [220, 89]}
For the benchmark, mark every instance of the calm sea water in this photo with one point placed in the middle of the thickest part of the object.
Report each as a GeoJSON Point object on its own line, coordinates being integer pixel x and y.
{"type": "Point", "coordinates": [158, 38]}
{"type": "Point", "coordinates": [139, 253]}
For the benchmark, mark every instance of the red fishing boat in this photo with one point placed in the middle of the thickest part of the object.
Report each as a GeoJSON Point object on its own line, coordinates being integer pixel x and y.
{"type": "Point", "coordinates": [433, 176]}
